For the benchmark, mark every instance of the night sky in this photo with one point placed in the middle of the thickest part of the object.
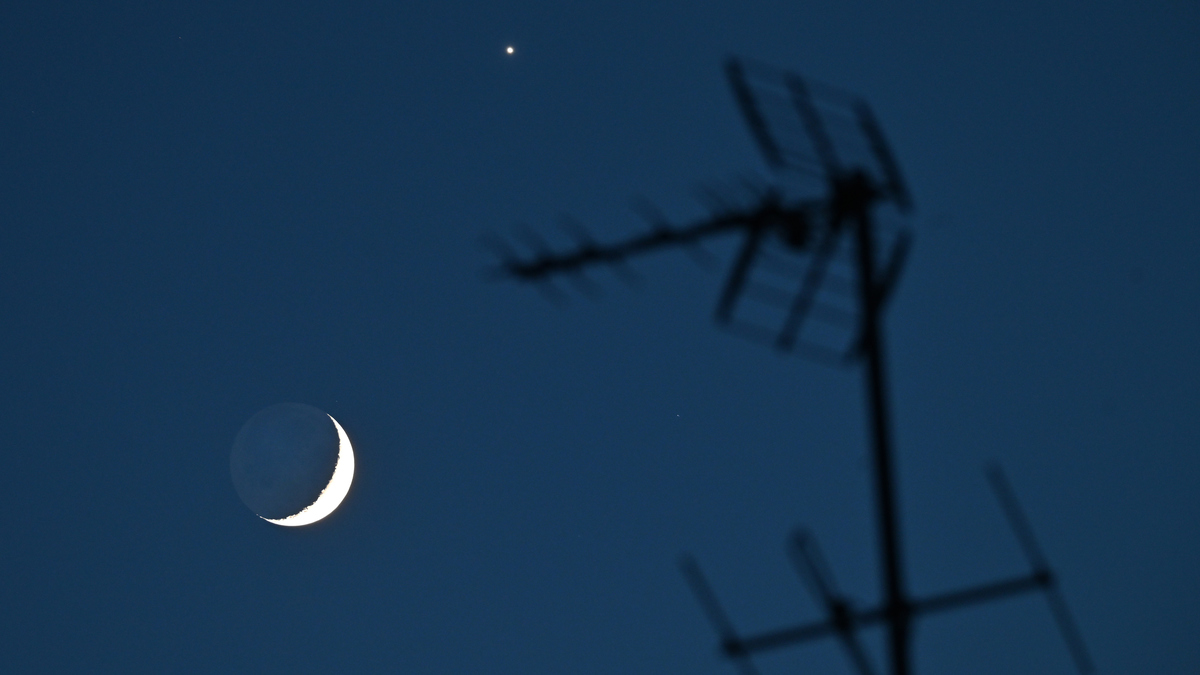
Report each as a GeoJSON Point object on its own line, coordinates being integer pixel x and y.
{"type": "Point", "coordinates": [209, 209]}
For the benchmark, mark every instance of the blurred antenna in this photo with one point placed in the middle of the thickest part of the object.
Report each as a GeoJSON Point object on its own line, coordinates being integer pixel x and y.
{"type": "Point", "coordinates": [730, 644]}
{"type": "Point", "coordinates": [1041, 569]}
{"type": "Point", "coordinates": [748, 104]}
{"type": "Point", "coordinates": [819, 578]}
{"type": "Point", "coordinates": [813, 227]}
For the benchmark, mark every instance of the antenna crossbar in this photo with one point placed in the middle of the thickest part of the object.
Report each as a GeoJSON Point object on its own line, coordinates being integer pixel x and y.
{"type": "Point", "coordinates": [740, 647]}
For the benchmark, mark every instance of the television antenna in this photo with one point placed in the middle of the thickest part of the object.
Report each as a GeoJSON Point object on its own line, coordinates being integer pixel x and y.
{"type": "Point", "coordinates": [825, 146]}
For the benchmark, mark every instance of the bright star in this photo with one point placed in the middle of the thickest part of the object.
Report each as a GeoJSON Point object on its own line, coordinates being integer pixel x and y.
{"type": "Point", "coordinates": [509, 49]}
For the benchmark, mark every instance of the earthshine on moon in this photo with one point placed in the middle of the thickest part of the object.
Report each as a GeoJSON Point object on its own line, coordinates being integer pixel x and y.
{"type": "Point", "coordinates": [292, 464]}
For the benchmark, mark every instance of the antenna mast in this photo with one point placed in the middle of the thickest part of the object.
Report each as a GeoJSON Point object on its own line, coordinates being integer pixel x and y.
{"type": "Point", "coordinates": [817, 139]}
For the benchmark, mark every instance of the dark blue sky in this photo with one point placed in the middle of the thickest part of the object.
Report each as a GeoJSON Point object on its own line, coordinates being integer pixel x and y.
{"type": "Point", "coordinates": [207, 210]}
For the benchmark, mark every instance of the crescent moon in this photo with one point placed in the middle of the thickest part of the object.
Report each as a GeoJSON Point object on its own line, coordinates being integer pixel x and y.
{"type": "Point", "coordinates": [334, 492]}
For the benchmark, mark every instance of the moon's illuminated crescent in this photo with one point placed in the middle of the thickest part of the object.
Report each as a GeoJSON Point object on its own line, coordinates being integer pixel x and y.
{"type": "Point", "coordinates": [334, 492]}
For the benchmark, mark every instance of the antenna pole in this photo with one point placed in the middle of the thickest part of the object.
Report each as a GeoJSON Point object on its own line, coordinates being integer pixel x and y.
{"type": "Point", "coordinates": [897, 606]}
{"type": "Point", "coordinates": [814, 229]}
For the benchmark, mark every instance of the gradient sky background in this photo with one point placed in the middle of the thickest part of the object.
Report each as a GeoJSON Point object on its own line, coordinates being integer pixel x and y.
{"type": "Point", "coordinates": [206, 210]}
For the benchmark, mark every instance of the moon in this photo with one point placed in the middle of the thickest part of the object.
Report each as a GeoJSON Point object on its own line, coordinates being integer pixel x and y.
{"type": "Point", "coordinates": [292, 464]}
{"type": "Point", "coordinates": [333, 494]}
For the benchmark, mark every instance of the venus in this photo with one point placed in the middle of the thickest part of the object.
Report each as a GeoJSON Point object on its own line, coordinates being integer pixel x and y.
{"type": "Point", "coordinates": [292, 464]}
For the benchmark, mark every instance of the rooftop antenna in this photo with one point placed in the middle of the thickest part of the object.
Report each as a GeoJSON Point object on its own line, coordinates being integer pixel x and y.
{"type": "Point", "coordinates": [815, 227]}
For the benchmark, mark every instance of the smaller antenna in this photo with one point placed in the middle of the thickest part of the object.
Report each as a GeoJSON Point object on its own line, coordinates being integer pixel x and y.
{"type": "Point", "coordinates": [842, 619]}
{"type": "Point", "coordinates": [1041, 569]}
{"type": "Point", "coordinates": [813, 569]}
{"type": "Point", "coordinates": [730, 644]}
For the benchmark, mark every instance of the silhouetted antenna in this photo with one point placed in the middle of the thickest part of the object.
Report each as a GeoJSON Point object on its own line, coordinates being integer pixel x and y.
{"type": "Point", "coordinates": [811, 565]}
{"type": "Point", "coordinates": [1041, 569]}
{"type": "Point", "coordinates": [803, 302]}
{"type": "Point", "coordinates": [894, 181]}
{"type": "Point", "coordinates": [730, 644]}
{"type": "Point", "coordinates": [659, 225]}
{"type": "Point", "coordinates": [807, 223]}
{"type": "Point", "coordinates": [812, 231]}
{"type": "Point", "coordinates": [813, 124]}
{"type": "Point", "coordinates": [754, 119]}
{"type": "Point", "coordinates": [843, 620]}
